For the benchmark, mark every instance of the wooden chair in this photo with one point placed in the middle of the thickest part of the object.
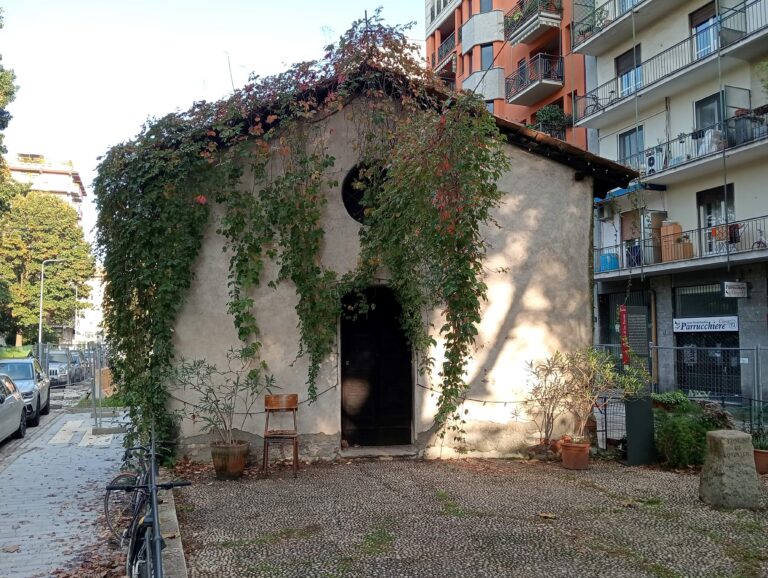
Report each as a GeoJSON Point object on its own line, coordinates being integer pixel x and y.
{"type": "Point", "coordinates": [282, 403]}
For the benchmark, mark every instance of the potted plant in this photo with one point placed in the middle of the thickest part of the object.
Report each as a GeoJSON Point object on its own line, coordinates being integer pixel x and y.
{"type": "Point", "coordinates": [223, 398]}
{"type": "Point", "coordinates": [545, 399]}
{"type": "Point", "coordinates": [589, 373]}
{"type": "Point", "coordinates": [760, 445]}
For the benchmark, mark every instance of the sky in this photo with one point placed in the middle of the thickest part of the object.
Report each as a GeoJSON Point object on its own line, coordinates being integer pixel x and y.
{"type": "Point", "coordinates": [91, 72]}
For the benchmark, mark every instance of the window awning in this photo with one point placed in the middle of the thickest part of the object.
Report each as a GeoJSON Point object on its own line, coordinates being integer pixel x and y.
{"type": "Point", "coordinates": [636, 186]}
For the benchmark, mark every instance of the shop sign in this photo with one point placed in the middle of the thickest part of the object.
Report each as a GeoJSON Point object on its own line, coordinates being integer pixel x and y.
{"type": "Point", "coordinates": [705, 324]}
{"type": "Point", "coordinates": [736, 289]}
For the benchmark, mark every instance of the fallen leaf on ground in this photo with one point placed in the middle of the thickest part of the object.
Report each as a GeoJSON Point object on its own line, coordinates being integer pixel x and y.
{"type": "Point", "coordinates": [547, 515]}
{"type": "Point", "coordinates": [11, 549]}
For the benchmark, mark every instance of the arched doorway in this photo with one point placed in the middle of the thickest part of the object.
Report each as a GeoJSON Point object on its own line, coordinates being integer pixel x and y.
{"type": "Point", "coordinates": [376, 374]}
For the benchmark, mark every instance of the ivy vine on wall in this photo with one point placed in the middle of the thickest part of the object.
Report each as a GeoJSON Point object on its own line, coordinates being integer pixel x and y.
{"type": "Point", "coordinates": [429, 161]}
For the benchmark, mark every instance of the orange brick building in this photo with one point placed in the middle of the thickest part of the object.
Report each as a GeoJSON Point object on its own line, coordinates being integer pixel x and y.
{"type": "Point", "coordinates": [516, 53]}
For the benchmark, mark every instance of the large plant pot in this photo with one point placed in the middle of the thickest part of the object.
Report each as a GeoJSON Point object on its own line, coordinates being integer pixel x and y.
{"type": "Point", "coordinates": [639, 426]}
{"type": "Point", "coordinates": [575, 456]}
{"type": "Point", "coordinates": [761, 461]}
{"type": "Point", "coordinates": [229, 459]}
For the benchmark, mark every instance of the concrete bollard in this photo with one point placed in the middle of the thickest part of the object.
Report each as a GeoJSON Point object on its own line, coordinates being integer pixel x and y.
{"type": "Point", "coordinates": [728, 478]}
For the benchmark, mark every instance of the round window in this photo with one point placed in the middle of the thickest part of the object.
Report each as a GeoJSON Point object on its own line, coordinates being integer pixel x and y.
{"type": "Point", "coordinates": [353, 191]}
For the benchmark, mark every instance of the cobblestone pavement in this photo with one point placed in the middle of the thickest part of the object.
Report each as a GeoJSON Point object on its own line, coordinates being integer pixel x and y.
{"type": "Point", "coordinates": [464, 519]}
{"type": "Point", "coordinates": [52, 483]}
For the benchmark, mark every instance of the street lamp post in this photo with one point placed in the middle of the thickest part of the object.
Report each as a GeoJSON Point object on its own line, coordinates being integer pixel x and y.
{"type": "Point", "coordinates": [40, 324]}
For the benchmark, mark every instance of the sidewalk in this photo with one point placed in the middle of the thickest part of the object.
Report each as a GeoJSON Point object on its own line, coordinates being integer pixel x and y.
{"type": "Point", "coordinates": [52, 487]}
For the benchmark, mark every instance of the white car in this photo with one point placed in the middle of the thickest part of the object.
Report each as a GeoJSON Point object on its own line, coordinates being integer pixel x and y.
{"type": "Point", "coordinates": [13, 418]}
{"type": "Point", "coordinates": [33, 384]}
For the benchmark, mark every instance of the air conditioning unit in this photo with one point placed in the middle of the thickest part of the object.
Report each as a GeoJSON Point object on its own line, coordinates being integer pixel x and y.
{"type": "Point", "coordinates": [654, 161]}
{"type": "Point", "coordinates": [605, 212]}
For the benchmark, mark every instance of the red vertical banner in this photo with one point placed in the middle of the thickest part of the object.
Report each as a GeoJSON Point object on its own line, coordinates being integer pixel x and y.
{"type": "Point", "coordinates": [624, 334]}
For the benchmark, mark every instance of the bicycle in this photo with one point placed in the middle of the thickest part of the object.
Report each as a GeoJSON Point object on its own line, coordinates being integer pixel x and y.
{"type": "Point", "coordinates": [144, 558]}
{"type": "Point", "coordinates": [597, 103]}
{"type": "Point", "coordinates": [124, 493]}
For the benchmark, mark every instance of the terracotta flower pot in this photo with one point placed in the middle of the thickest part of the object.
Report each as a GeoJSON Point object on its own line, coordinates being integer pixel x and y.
{"type": "Point", "coordinates": [229, 459]}
{"type": "Point", "coordinates": [575, 456]}
{"type": "Point", "coordinates": [761, 461]}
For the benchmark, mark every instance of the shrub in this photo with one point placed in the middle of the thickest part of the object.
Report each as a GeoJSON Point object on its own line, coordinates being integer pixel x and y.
{"type": "Point", "coordinates": [681, 436]}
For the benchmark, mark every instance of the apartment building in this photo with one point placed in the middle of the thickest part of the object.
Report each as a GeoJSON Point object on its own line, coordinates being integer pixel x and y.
{"type": "Point", "coordinates": [516, 53]}
{"type": "Point", "coordinates": [56, 178]}
{"type": "Point", "coordinates": [677, 91]}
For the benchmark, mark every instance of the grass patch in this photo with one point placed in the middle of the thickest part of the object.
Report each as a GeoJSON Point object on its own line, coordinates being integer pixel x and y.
{"type": "Point", "coordinates": [450, 507]}
{"type": "Point", "coordinates": [378, 541]}
{"type": "Point", "coordinates": [651, 501]}
{"type": "Point", "coordinates": [114, 400]}
{"type": "Point", "coordinates": [749, 561]}
{"type": "Point", "coordinates": [272, 537]}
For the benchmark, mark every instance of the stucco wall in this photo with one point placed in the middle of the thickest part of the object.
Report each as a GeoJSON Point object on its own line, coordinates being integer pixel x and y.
{"type": "Point", "coordinates": [538, 301]}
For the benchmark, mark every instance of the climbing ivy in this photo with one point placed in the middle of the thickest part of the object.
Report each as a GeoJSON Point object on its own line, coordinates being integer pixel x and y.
{"type": "Point", "coordinates": [429, 162]}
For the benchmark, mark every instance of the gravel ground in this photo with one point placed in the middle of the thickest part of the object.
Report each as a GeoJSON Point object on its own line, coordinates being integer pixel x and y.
{"type": "Point", "coordinates": [466, 518]}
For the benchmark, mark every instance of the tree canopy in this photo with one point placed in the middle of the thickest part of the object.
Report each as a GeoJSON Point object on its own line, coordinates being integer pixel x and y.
{"type": "Point", "coordinates": [40, 226]}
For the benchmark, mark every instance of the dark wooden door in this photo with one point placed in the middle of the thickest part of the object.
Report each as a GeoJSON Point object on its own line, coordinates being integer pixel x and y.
{"type": "Point", "coordinates": [376, 374]}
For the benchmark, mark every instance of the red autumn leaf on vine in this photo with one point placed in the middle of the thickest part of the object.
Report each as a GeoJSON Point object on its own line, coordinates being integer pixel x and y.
{"type": "Point", "coordinates": [271, 118]}
{"type": "Point", "coordinates": [442, 120]}
{"type": "Point", "coordinates": [211, 133]}
{"type": "Point", "coordinates": [201, 200]}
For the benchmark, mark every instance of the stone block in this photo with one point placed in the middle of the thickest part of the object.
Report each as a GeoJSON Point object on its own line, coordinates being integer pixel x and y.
{"type": "Point", "coordinates": [728, 478]}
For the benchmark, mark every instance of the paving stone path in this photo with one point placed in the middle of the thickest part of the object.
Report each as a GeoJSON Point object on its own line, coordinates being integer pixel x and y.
{"type": "Point", "coordinates": [51, 484]}
{"type": "Point", "coordinates": [467, 518]}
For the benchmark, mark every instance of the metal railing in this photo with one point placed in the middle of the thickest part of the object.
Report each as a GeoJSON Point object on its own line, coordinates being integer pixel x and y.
{"type": "Point", "coordinates": [446, 47]}
{"type": "Point", "coordinates": [747, 127]}
{"type": "Point", "coordinates": [733, 25]}
{"type": "Point", "coordinates": [593, 20]}
{"type": "Point", "coordinates": [525, 10]}
{"type": "Point", "coordinates": [555, 132]}
{"type": "Point", "coordinates": [738, 237]}
{"type": "Point", "coordinates": [540, 67]}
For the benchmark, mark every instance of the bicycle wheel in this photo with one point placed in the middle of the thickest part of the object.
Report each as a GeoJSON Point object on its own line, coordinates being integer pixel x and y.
{"type": "Point", "coordinates": [138, 562]}
{"type": "Point", "coordinates": [119, 504]}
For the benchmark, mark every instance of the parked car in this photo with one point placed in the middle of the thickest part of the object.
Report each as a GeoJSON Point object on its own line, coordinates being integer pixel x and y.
{"type": "Point", "coordinates": [60, 367]}
{"type": "Point", "coordinates": [77, 367]}
{"type": "Point", "coordinates": [33, 384]}
{"type": "Point", "coordinates": [13, 419]}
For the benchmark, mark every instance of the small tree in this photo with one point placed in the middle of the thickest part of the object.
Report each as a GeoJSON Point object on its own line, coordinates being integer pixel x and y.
{"type": "Point", "coordinates": [547, 394]}
{"type": "Point", "coordinates": [589, 373]}
{"type": "Point", "coordinates": [224, 395]}
{"type": "Point", "coordinates": [552, 116]}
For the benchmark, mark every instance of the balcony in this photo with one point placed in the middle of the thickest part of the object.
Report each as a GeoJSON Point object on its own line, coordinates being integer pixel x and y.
{"type": "Point", "coordinates": [688, 63]}
{"type": "Point", "coordinates": [483, 28]}
{"type": "Point", "coordinates": [555, 132]}
{"type": "Point", "coordinates": [747, 133]}
{"type": "Point", "coordinates": [445, 50]}
{"type": "Point", "coordinates": [706, 247]}
{"type": "Point", "coordinates": [531, 19]}
{"type": "Point", "coordinates": [538, 78]}
{"type": "Point", "coordinates": [596, 30]}
{"type": "Point", "coordinates": [439, 12]}
{"type": "Point", "coordinates": [489, 84]}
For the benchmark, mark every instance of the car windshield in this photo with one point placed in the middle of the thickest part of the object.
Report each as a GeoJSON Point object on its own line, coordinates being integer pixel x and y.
{"type": "Point", "coordinates": [17, 370]}
{"type": "Point", "coordinates": [59, 357]}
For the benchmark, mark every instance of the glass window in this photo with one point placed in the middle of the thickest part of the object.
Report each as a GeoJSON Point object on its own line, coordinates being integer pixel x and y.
{"type": "Point", "coordinates": [631, 145]}
{"type": "Point", "coordinates": [59, 357]}
{"type": "Point", "coordinates": [629, 71]}
{"type": "Point", "coordinates": [486, 5]}
{"type": "Point", "coordinates": [17, 370]}
{"type": "Point", "coordinates": [489, 106]}
{"type": "Point", "coordinates": [9, 386]}
{"type": "Point", "coordinates": [704, 30]}
{"type": "Point", "coordinates": [708, 111]}
{"type": "Point", "coordinates": [703, 301]}
{"type": "Point", "coordinates": [486, 56]}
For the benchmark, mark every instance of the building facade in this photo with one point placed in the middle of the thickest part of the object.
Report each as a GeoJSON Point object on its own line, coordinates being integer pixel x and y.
{"type": "Point", "coordinates": [679, 93]}
{"type": "Point", "coordinates": [56, 178]}
{"type": "Point", "coordinates": [516, 53]}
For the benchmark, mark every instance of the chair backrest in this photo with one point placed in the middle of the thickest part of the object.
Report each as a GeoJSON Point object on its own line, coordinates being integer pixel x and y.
{"type": "Point", "coordinates": [281, 402]}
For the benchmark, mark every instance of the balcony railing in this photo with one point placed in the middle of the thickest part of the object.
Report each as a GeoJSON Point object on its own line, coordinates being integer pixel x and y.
{"type": "Point", "coordinates": [446, 47]}
{"type": "Point", "coordinates": [750, 126]}
{"type": "Point", "coordinates": [550, 130]}
{"type": "Point", "coordinates": [736, 238]}
{"type": "Point", "coordinates": [734, 24]}
{"type": "Point", "coordinates": [592, 20]}
{"type": "Point", "coordinates": [525, 10]}
{"type": "Point", "coordinates": [540, 67]}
